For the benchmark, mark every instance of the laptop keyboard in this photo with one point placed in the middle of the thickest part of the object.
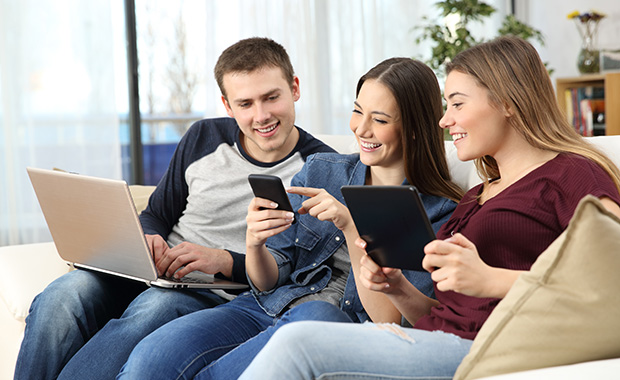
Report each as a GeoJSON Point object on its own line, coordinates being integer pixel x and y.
{"type": "Point", "coordinates": [189, 280]}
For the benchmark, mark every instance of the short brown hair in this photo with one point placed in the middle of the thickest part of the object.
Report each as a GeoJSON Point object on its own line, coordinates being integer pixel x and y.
{"type": "Point", "coordinates": [253, 54]}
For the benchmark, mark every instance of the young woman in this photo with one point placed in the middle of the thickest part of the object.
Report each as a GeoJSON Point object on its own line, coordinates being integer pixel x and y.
{"type": "Point", "coordinates": [503, 113]}
{"type": "Point", "coordinates": [398, 103]}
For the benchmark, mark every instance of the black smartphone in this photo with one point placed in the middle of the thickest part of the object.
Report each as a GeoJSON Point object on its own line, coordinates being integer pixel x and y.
{"type": "Point", "coordinates": [271, 187]}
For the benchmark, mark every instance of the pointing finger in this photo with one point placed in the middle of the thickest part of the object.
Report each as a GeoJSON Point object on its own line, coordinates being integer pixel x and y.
{"type": "Point", "coordinates": [306, 191]}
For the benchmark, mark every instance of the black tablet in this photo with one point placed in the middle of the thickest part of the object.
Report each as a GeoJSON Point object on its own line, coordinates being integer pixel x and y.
{"type": "Point", "coordinates": [392, 221]}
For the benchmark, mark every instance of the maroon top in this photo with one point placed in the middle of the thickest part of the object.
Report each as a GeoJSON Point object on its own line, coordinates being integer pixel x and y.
{"type": "Point", "coordinates": [511, 229]}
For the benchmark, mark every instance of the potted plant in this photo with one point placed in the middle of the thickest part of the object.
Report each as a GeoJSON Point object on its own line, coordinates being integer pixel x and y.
{"type": "Point", "coordinates": [450, 39]}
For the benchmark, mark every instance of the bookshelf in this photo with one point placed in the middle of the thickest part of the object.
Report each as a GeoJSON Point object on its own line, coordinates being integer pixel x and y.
{"type": "Point", "coordinates": [611, 83]}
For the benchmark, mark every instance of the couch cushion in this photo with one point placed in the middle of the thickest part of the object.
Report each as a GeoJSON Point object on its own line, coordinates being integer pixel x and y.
{"type": "Point", "coordinates": [43, 266]}
{"type": "Point", "coordinates": [565, 310]}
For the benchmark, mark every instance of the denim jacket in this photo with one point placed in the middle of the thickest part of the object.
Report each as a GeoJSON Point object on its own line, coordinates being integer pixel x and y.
{"type": "Point", "coordinates": [301, 250]}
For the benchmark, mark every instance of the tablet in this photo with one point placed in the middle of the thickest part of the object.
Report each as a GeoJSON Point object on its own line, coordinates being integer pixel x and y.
{"type": "Point", "coordinates": [392, 221]}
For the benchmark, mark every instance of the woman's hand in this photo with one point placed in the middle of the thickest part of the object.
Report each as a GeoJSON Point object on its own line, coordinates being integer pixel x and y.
{"type": "Point", "coordinates": [264, 221]}
{"type": "Point", "coordinates": [400, 297]}
{"type": "Point", "coordinates": [455, 265]}
{"type": "Point", "coordinates": [323, 206]}
{"type": "Point", "coordinates": [375, 277]}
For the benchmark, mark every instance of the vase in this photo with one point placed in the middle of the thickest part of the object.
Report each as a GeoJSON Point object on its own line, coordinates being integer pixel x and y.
{"type": "Point", "coordinates": [588, 58]}
{"type": "Point", "coordinates": [588, 61]}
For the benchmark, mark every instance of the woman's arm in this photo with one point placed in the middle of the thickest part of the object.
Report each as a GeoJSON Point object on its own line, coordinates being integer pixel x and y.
{"type": "Point", "coordinates": [611, 206]}
{"type": "Point", "coordinates": [399, 298]}
{"type": "Point", "coordinates": [455, 265]}
{"type": "Point", "coordinates": [381, 306]}
{"type": "Point", "coordinates": [263, 221]}
{"type": "Point", "coordinates": [323, 206]}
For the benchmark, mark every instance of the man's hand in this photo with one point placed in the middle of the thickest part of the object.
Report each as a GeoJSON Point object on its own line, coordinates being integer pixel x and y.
{"type": "Point", "coordinates": [187, 257]}
{"type": "Point", "coordinates": [158, 247]}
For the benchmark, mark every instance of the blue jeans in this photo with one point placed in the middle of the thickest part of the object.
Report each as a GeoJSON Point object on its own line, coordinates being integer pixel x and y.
{"type": "Point", "coordinates": [231, 365]}
{"type": "Point", "coordinates": [182, 347]}
{"type": "Point", "coordinates": [85, 324]}
{"type": "Point", "coordinates": [318, 350]}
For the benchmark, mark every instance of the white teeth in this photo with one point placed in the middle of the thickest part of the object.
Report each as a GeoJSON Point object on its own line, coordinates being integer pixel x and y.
{"type": "Point", "coordinates": [458, 136]}
{"type": "Point", "coordinates": [268, 129]}
{"type": "Point", "coordinates": [368, 145]}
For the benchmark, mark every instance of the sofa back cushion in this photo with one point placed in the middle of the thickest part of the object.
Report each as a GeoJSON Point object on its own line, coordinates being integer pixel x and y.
{"type": "Point", "coordinates": [140, 195]}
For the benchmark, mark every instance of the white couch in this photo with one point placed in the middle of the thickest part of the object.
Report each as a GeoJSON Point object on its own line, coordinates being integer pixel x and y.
{"type": "Point", "coordinates": [29, 268]}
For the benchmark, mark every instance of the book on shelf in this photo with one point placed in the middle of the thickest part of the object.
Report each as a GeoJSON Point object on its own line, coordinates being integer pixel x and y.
{"type": "Point", "coordinates": [585, 110]}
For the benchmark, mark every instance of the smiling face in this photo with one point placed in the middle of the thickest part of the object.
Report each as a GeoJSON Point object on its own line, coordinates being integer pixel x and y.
{"type": "Point", "coordinates": [476, 126]}
{"type": "Point", "coordinates": [263, 104]}
{"type": "Point", "coordinates": [376, 123]}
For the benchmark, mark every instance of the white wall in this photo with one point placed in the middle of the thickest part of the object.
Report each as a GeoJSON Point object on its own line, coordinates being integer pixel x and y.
{"type": "Point", "coordinates": [562, 40]}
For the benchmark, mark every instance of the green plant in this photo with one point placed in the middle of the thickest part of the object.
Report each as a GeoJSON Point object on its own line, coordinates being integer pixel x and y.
{"type": "Point", "coordinates": [448, 40]}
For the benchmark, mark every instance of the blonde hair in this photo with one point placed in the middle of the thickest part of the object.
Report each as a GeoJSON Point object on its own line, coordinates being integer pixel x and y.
{"type": "Point", "coordinates": [517, 80]}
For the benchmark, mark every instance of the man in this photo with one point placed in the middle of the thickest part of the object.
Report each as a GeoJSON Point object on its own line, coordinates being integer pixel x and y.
{"type": "Point", "coordinates": [85, 324]}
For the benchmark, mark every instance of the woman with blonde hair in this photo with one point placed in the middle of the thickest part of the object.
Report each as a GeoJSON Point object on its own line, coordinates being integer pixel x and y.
{"type": "Point", "coordinates": [501, 112]}
{"type": "Point", "coordinates": [526, 90]}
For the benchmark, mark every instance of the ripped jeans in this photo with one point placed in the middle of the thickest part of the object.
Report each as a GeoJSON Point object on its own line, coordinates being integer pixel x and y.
{"type": "Point", "coordinates": [319, 350]}
{"type": "Point", "coordinates": [231, 365]}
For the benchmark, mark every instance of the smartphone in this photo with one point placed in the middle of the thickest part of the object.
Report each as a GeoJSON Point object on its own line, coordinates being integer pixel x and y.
{"type": "Point", "coordinates": [271, 187]}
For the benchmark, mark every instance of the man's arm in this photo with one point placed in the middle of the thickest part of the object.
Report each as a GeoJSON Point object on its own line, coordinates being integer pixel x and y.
{"type": "Point", "coordinates": [169, 198]}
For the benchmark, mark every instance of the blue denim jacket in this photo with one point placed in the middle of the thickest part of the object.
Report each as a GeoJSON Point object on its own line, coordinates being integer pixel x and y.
{"type": "Point", "coordinates": [301, 250]}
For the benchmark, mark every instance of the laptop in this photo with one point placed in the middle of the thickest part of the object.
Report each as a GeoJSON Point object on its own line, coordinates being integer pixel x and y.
{"type": "Point", "coordinates": [95, 226]}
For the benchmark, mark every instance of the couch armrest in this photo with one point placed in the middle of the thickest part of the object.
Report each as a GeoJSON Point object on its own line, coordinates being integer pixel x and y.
{"type": "Point", "coordinates": [28, 269]}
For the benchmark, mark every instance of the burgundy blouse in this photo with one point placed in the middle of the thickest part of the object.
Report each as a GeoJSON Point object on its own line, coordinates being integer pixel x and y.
{"type": "Point", "coordinates": [511, 229]}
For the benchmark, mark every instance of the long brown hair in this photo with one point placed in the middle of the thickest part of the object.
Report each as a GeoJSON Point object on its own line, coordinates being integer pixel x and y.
{"type": "Point", "coordinates": [517, 80]}
{"type": "Point", "coordinates": [417, 93]}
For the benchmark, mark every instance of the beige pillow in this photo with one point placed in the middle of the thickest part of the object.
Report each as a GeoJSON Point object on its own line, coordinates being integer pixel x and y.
{"type": "Point", "coordinates": [565, 310]}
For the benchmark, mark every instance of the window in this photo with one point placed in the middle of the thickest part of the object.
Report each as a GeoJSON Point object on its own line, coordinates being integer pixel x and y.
{"type": "Point", "coordinates": [64, 84]}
